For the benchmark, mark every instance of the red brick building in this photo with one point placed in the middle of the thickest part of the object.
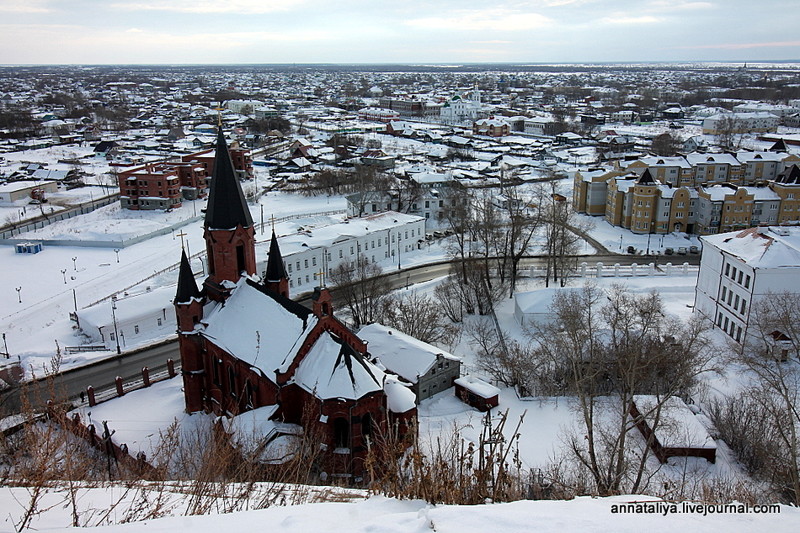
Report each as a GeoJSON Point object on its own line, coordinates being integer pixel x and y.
{"type": "Point", "coordinates": [246, 347]}
{"type": "Point", "coordinates": [165, 184]}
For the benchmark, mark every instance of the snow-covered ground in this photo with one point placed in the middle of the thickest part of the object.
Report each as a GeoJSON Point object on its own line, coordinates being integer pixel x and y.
{"type": "Point", "coordinates": [388, 515]}
{"type": "Point", "coordinates": [52, 283]}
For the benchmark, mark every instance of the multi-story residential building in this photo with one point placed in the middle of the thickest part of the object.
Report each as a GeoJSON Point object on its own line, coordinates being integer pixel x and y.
{"type": "Point", "coordinates": [675, 171]}
{"type": "Point", "coordinates": [760, 165]}
{"type": "Point", "coordinates": [591, 190]}
{"type": "Point", "coordinates": [165, 184]}
{"type": "Point", "coordinates": [314, 252]}
{"type": "Point", "coordinates": [715, 168]}
{"type": "Point", "coordinates": [766, 206]}
{"type": "Point", "coordinates": [492, 126]}
{"type": "Point", "coordinates": [405, 106]}
{"type": "Point", "coordinates": [378, 114]}
{"type": "Point", "coordinates": [739, 269]}
{"type": "Point", "coordinates": [724, 208]}
{"type": "Point", "coordinates": [153, 186]}
{"type": "Point", "coordinates": [618, 201]}
{"type": "Point", "coordinates": [541, 126]}
{"type": "Point", "coordinates": [778, 110]}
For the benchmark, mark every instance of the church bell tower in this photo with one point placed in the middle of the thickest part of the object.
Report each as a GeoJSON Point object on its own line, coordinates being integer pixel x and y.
{"type": "Point", "coordinates": [228, 228]}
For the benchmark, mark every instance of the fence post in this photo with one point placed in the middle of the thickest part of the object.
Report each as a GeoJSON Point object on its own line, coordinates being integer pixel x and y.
{"type": "Point", "coordinates": [171, 368]}
{"type": "Point", "coordinates": [118, 383]}
{"type": "Point", "coordinates": [90, 394]}
{"type": "Point", "coordinates": [146, 376]}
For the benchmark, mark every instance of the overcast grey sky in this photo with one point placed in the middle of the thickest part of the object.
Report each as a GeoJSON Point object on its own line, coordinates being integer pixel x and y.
{"type": "Point", "coordinates": [377, 31]}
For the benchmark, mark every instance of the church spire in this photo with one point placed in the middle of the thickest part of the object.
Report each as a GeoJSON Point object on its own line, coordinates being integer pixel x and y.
{"type": "Point", "coordinates": [275, 268]}
{"type": "Point", "coordinates": [226, 204]}
{"type": "Point", "coordinates": [229, 232]}
{"type": "Point", "coordinates": [275, 278]}
{"type": "Point", "coordinates": [187, 288]}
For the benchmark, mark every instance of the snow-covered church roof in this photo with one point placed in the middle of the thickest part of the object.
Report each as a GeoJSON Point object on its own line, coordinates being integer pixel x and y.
{"type": "Point", "coordinates": [255, 328]}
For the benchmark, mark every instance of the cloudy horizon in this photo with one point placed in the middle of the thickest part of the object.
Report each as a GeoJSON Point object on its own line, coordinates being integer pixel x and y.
{"type": "Point", "coordinates": [360, 31]}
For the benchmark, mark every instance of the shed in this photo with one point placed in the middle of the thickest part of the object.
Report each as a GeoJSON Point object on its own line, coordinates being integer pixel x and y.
{"type": "Point", "coordinates": [477, 393]}
{"type": "Point", "coordinates": [678, 434]}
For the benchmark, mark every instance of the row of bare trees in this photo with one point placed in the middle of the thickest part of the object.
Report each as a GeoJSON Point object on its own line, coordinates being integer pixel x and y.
{"type": "Point", "coordinates": [498, 228]}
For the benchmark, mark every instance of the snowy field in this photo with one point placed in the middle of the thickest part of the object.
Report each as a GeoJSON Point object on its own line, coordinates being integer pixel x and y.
{"type": "Point", "coordinates": [389, 515]}
{"type": "Point", "coordinates": [53, 282]}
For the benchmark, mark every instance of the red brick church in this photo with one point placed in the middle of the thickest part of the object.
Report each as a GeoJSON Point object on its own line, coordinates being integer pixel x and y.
{"type": "Point", "coordinates": [247, 347]}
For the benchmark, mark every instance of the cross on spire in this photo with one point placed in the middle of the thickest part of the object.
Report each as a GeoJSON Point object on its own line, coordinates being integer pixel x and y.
{"type": "Point", "coordinates": [321, 275]}
{"type": "Point", "coordinates": [272, 221]}
{"type": "Point", "coordinates": [219, 114]}
{"type": "Point", "coordinates": [182, 235]}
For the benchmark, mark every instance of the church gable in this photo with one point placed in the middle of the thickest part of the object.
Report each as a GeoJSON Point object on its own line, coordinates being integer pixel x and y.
{"type": "Point", "coordinates": [332, 369]}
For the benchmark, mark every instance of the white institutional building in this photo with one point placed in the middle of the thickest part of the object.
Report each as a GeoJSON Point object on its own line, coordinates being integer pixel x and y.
{"type": "Point", "coordinates": [739, 268]}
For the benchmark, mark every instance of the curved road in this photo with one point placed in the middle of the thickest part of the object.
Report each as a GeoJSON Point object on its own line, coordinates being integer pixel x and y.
{"type": "Point", "coordinates": [101, 374]}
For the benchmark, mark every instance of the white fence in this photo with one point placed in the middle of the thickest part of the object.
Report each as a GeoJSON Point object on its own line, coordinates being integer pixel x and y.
{"type": "Point", "coordinates": [601, 270]}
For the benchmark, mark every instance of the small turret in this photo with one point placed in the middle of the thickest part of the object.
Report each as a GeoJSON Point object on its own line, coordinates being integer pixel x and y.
{"type": "Point", "coordinates": [275, 278]}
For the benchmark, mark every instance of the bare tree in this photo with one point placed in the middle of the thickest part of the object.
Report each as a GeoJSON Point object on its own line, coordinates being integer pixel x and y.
{"type": "Point", "coordinates": [608, 347]}
{"type": "Point", "coordinates": [770, 354]}
{"type": "Point", "coordinates": [665, 144]}
{"type": "Point", "coordinates": [562, 235]}
{"type": "Point", "coordinates": [522, 217]}
{"type": "Point", "coordinates": [417, 315]}
{"type": "Point", "coordinates": [360, 288]}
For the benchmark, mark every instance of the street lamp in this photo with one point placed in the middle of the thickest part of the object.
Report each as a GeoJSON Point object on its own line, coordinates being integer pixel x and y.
{"type": "Point", "coordinates": [75, 263]}
{"type": "Point", "coordinates": [19, 293]}
{"type": "Point", "coordinates": [64, 273]}
{"type": "Point", "coordinates": [8, 355]}
{"type": "Point", "coordinates": [116, 251]}
{"type": "Point", "coordinates": [114, 317]}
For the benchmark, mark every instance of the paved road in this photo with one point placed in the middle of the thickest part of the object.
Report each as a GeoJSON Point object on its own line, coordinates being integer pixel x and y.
{"type": "Point", "coordinates": [70, 383]}
{"type": "Point", "coordinates": [101, 374]}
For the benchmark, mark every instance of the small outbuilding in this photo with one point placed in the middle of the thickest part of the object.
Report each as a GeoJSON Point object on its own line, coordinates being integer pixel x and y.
{"type": "Point", "coordinates": [678, 432]}
{"type": "Point", "coordinates": [477, 393]}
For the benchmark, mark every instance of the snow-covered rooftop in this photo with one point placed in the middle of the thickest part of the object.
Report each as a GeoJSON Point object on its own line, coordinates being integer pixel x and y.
{"type": "Point", "coordinates": [401, 353]}
{"type": "Point", "coordinates": [773, 247]}
{"type": "Point", "coordinates": [329, 372]}
{"type": "Point", "coordinates": [256, 329]}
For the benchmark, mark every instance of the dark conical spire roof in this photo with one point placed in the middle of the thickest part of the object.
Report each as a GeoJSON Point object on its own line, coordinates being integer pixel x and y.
{"type": "Point", "coordinates": [187, 288]}
{"type": "Point", "coordinates": [646, 178]}
{"type": "Point", "coordinates": [226, 205]}
{"type": "Point", "coordinates": [275, 268]}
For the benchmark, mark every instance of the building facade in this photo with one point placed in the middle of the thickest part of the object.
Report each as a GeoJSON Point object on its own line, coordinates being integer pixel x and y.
{"type": "Point", "coordinates": [738, 269]}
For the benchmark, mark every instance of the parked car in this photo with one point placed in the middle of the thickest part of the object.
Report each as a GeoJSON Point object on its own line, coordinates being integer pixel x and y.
{"type": "Point", "coordinates": [694, 250]}
{"type": "Point", "coordinates": [631, 250]}
{"type": "Point", "coordinates": [682, 250]}
{"type": "Point", "coordinates": [668, 251]}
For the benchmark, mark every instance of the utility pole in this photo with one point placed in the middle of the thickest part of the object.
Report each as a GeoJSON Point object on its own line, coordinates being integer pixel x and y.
{"type": "Point", "coordinates": [114, 317]}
